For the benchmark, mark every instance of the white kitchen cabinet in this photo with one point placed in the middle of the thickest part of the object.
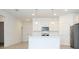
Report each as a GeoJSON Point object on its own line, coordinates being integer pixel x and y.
{"type": "Point", "coordinates": [44, 42]}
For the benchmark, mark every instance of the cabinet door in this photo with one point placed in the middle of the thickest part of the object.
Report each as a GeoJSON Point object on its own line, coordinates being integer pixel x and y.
{"type": "Point", "coordinates": [44, 43]}
{"type": "Point", "coordinates": [76, 36]}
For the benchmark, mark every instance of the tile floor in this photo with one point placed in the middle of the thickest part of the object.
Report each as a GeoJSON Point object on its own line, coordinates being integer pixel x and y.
{"type": "Point", "coordinates": [24, 45]}
{"type": "Point", "coordinates": [65, 47]}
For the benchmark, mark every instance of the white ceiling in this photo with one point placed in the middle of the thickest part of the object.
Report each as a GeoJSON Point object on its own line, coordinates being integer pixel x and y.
{"type": "Point", "coordinates": [27, 13]}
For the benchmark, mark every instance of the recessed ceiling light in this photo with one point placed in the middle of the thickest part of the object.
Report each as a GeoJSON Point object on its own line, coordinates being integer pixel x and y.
{"type": "Point", "coordinates": [36, 22]}
{"type": "Point", "coordinates": [55, 14]}
{"type": "Point", "coordinates": [66, 10]}
{"type": "Point", "coordinates": [52, 22]}
{"type": "Point", "coordinates": [16, 9]}
{"type": "Point", "coordinates": [33, 14]}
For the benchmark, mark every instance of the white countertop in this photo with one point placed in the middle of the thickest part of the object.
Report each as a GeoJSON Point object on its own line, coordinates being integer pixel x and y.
{"type": "Point", "coordinates": [40, 33]}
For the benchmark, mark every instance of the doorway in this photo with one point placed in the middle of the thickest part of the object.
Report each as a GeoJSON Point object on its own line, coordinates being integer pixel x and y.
{"type": "Point", "coordinates": [1, 34]}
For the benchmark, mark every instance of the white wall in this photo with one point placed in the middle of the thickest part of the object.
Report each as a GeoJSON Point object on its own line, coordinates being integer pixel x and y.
{"type": "Point", "coordinates": [12, 29]}
{"type": "Point", "coordinates": [27, 30]}
{"type": "Point", "coordinates": [12, 33]}
{"type": "Point", "coordinates": [76, 18]}
{"type": "Point", "coordinates": [65, 22]}
{"type": "Point", "coordinates": [52, 23]}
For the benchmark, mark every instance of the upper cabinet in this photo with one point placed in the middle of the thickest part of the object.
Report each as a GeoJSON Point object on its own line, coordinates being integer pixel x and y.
{"type": "Point", "coordinates": [52, 23]}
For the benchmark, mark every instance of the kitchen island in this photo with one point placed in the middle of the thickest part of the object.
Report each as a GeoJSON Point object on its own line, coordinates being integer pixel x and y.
{"type": "Point", "coordinates": [44, 42]}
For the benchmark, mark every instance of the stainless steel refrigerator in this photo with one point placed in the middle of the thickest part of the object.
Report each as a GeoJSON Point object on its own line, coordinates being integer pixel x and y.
{"type": "Point", "coordinates": [74, 36]}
